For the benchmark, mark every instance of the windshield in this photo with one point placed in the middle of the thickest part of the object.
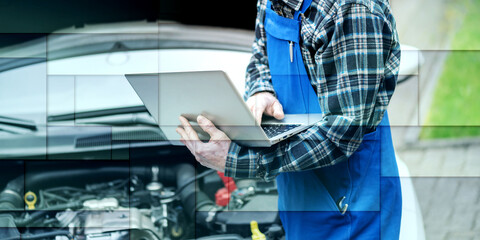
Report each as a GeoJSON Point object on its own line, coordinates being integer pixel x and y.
{"type": "Point", "coordinates": [97, 82]}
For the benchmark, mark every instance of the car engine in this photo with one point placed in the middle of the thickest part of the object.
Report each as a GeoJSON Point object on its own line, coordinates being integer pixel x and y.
{"type": "Point", "coordinates": [95, 200]}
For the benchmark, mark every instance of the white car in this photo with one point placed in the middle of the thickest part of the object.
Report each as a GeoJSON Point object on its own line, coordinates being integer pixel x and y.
{"type": "Point", "coordinates": [65, 97]}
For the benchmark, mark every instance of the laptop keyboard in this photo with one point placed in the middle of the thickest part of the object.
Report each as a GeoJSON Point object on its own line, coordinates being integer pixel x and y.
{"type": "Point", "coordinates": [277, 129]}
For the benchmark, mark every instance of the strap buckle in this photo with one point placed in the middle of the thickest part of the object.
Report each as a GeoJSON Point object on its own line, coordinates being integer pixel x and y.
{"type": "Point", "coordinates": [342, 207]}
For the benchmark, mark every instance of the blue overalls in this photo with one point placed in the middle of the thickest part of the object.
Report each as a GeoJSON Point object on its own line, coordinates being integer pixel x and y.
{"type": "Point", "coordinates": [359, 198]}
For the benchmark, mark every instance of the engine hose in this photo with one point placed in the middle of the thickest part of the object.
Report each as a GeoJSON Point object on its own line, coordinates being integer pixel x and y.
{"type": "Point", "coordinates": [34, 215]}
{"type": "Point", "coordinates": [22, 222]}
{"type": "Point", "coordinates": [11, 198]}
{"type": "Point", "coordinates": [198, 176]}
{"type": "Point", "coordinates": [191, 197]}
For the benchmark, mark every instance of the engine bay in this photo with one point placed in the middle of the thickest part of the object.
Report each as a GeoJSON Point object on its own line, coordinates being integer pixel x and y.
{"type": "Point", "coordinates": [140, 199]}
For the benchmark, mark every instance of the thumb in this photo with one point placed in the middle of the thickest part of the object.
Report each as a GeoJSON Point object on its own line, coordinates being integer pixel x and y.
{"type": "Point", "coordinates": [278, 110]}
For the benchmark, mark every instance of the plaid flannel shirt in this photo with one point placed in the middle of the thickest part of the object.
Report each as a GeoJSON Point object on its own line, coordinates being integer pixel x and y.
{"type": "Point", "coordinates": [352, 55]}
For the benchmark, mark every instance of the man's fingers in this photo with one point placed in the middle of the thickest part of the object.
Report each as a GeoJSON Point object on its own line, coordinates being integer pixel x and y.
{"type": "Point", "coordinates": [182, 133]}
{"type": "Point", "coordinates": [258, 113]}
{"type": "Point", "coordinates": [256, 108]}
{"type": "Point", "coordinates": [191, 145]}
{"type": "Point", "coordinates": [192, 135]}
{"type": "Point", "coordinates": [275, 110]}
{"type": "Point", "coordinates": [278, 110]}
{"type": "Point", "coordinates": [208, 126]}
{"type": "Point", "coordinates": [185, 139]}
{"type": "Point", "coordinates": [251, 103]}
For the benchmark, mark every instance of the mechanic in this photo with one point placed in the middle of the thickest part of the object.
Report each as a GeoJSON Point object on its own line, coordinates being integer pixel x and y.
{"type": "Point", "coordinates": [339, 178]}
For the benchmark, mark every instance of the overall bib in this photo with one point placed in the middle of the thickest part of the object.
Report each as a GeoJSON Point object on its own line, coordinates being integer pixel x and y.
{"type": "Point", "coordinates": [359, 198]}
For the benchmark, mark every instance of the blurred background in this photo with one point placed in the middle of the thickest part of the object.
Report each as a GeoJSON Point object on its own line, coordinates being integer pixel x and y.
{"type": "Point", "coordinates": [435, 115]}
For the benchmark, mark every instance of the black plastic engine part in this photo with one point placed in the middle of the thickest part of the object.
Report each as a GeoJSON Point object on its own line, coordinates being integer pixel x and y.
{"type": "Point", "coordinates": [8, 230]}
{"type": "Point", "coordinates": [192, 198]}
{"type": "Point", "coordinates": [224, 237]}
{"type": "Point", "coordinates": [274, 232]}
{"type": "Point", "coordinates": [11, 197]}
{"type": "Point", "coordinates": [238, 222]}
{"type": "Point", "coordinates": [211, 184]}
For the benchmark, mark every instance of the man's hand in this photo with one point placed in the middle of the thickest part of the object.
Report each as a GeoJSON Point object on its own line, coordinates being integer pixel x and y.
{"type": "Point", "coordinates": [212, 154]}
{"type": "Point", "coordinates": [265, 102]}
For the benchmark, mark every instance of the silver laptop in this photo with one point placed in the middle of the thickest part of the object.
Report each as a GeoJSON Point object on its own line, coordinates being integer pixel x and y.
{"type": "Point", "coordinates": [211, 94]}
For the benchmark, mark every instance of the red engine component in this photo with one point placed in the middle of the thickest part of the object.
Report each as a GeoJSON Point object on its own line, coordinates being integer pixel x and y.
{"type": "Point", "coordinates": [222, 197]}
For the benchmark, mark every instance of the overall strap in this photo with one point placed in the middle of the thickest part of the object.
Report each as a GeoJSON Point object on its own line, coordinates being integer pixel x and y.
{"type": "Point", "coordinates": [305, 5]}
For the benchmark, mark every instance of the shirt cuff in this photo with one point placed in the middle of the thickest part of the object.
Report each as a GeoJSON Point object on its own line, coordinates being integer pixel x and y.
{"type": "Point", "coordinates": [261, 86]}
{"type": "Point", "coordinates": [241, 167]}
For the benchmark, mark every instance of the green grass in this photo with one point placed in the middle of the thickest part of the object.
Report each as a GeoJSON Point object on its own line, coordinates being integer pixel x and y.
{"type": "Point", "coordinates": [468, 37]}
{"type": "Point", "coordinates": [455, 109]}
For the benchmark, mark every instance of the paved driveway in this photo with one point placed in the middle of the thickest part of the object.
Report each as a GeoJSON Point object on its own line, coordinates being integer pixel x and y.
{"type": "Point", "coordinates": [446, 174]}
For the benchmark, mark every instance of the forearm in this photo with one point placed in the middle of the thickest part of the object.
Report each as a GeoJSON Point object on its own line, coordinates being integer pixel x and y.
{"type": "Point", "coordinates": [319, 146]}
